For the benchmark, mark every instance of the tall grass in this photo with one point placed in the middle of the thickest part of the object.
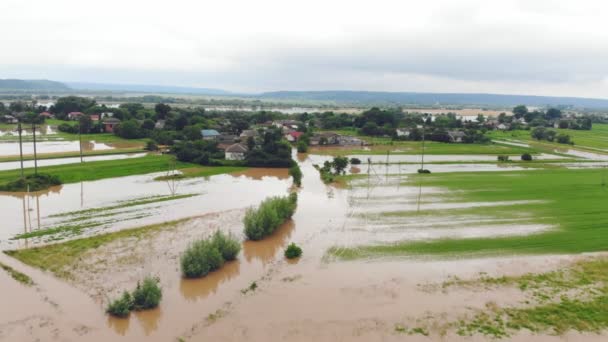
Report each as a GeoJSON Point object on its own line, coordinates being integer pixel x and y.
{"type": "Point", "coordinates": [147, 295]}
{"type": "Point", "coordinates": [271, 213]}
{"type": "Point", "coordinates": [207, 255]}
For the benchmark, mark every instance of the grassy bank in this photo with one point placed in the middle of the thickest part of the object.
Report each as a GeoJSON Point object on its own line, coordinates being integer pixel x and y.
{"type": "Point", "coordinates": [572, 201]}
{"type": "Point", "coordinates": [73, 154]}
{"type": "Point", "coordinates": [18, 276]}
{"type": "Point", "coordinates": [71, 173]}
{"type": "Point", "coordinates": [431, 147]}
{"type": "Point", "coordinates": [59, 258]}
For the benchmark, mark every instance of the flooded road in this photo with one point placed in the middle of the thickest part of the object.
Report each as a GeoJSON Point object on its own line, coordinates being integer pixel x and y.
{"type": "Point", "coordinates": [307, 299]}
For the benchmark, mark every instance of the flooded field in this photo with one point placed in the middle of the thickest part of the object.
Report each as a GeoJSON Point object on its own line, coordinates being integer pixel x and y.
{"type": "Point", "coordinates": [43, 147]}
{"type": "Point", "coordinates": [312, 298]}
{"type": "Point", "coordinates": [60, 161]}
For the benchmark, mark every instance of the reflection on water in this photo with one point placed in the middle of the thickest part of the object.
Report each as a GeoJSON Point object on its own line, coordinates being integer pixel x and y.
{"type": "Point", "coordinates": [195, 289]}
{"type": "Point", "coordinates": [265, 250]}
{"type": "Point", "coordinates": [149, 319]}
{"type": "Point", "coordinates": [262, 173]}
{"type": "Point", "coordinates": [12, 148]}
{"type": "Point", "coordinates": [120, 325]}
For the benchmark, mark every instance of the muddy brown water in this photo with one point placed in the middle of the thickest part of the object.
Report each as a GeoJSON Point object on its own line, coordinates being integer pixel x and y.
{"type": "Point", "coordinates": [307, 299]}
{"type": "Point", "coordinates": [61, 161]}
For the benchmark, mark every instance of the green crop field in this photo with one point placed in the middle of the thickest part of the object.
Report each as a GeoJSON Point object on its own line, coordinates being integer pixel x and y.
{"type": "Point", "coordinates": [597, 138]}
{"type": "Point", "coordinates": [572, 201]}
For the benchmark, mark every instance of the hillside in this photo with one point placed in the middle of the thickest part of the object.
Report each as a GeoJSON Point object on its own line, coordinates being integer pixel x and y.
{"type": "Point", "coordinates": [31, 85]}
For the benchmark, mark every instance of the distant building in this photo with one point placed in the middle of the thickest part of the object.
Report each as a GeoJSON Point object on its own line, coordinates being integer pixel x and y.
{"type": "Point", "coordinates": [94, 117]}
{"type": "Point", "coordinates": [46, 115]}
{"type": "Point", "coordinates": [110, 124]}
{"type": "Point", "coordinates": [210, 134]}
{"type": "Point", "coordinates": [293, 136]}
{"type": "Point", "coordinates": [10, 119]}
{"type": "Point", "coordinates": [324, 138]}
{"type": "Point", "coordinates": [346, 140]}
{"type": "Point", "coordinates": [456, 136]}
{"type": "Point", "coordinates": [236, 152]}
{"type": "Point", "coordinates": [74, 115]}
{"type": "Point", "coordinates": [160, 124]}
{"type": "Point", "coordinates": [403, 132]}
{"type": "Point", "coordinates": [248, 133]}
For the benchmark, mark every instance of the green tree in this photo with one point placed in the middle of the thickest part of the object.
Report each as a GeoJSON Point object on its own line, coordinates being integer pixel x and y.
{"type": "Point", "coordinates": [129, 130]}
{"type": "Point", "coordinates": [162, 110]}
{"type": "Point", "coordinates": [339, 164]}
{"type": "Point", "coordinates": [520, 111]}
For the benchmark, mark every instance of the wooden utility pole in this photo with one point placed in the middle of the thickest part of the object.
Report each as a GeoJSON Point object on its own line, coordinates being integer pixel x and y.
{"type": "Point", "coordinates": [20, 146]}
{"type": "Point", "coordinates": [35, 155]}
{"type": "Point", "coordinates": [423, 134]}
{"type": "Point", "coordinates": [80, 138]}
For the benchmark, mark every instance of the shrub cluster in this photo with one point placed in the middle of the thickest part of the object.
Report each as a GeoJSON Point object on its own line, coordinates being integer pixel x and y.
{"type": "Point", "coordinates": [503, 158]}
{"type": "Point", "coordinates": [355, 161]}
{"type": "Point", "coordinates": [147, 295]}
{"type": "Point", "coordinates": [526, 157]}
{"type": "Point", "coordinates": [296, 174]}
{"type": "Point", "coordinates": [37, 182]}
{"type": "Point", "coordinates": [207, 255]}
{"type": "Point", "coordinates": [271, 213]}
{"type": "Point", "coordinates": [424, 171]}
{"type": "Point", "coordinates": [293, 251]}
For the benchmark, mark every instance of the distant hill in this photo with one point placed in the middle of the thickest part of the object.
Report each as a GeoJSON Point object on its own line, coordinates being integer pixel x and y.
{"type": "Point", "coordinates": [31, 85]}
{"type": "Point", "coordinates": [142, 88]}
{"type": "Point", "coordinates": [397, 98]}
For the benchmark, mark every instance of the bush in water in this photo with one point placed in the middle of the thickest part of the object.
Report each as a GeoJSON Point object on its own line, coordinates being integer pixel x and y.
{"type": "Point", "coordinates": [147, 295]}
{"type": "Point", "coordinates": [293, 251]}
{"type": "Point", "coordinates": [355, 161]}
{"type": "Point", "coordinates": [121, 307]}
{"type": "Point", "coordinates": [228, 246]}
{"type": "Point", "coordinates": [526, 157]}
{"type": "Point", "coordinates": [271, 213]}
{"type": "Point", "coordinates": [208, 255]}
{"type": "Point", "coordinates": [296, 173]}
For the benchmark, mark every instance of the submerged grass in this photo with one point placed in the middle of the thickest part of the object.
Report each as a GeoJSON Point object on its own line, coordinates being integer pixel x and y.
{"type": "Point", "coordinates": [557, 309]}
{"type": "Point", "coordinates": [573, 201]}
{"type": "Point", "coordinates": [58, 258]}
{"type": "Point", "coordinates": [18, 276]}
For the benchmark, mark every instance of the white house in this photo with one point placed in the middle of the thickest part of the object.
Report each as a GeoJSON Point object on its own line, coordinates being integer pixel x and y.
{"type": "Point", "coordinates": [236, 152]}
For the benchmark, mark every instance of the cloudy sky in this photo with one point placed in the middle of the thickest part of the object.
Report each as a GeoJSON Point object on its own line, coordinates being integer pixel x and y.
{"type": "Point", "coordinates": [550, 47]}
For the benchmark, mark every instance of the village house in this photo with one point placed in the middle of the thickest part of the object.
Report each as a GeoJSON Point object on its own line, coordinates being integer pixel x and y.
{"type": "Point", "coordinates": [324, 138]}
{"type": "Point", "coordinates": [160, 124]}
{"type": "Point", "coordinates": [74, 115]}
{"type": "Point", "coordinates": [293, 136]}
{"type": "Point", "coordinates": [403, 132]}
{"type": "Point", "coordinates": [110, 124]}
{"type": "Point", "coordinates": [345, 140]}
{"type": "Point", "coordinates": [456, 136]}
{"type": "Point", "coordinates": [46, 115]}
{"type": "Point", "coordinates": [94, 117]}
{"type": "Point", "coordinates": [236, 152]}
{"type": "Point", "coordinates": [10, 119]}
{"type": "Point", "coordinates": [226, 138]}
{"type": "Point", "coordinates": [248, 133]}
{"type": "Point", "coordinates": [503, 126]}
{"type": "Point", "coordinates": [210, 134]}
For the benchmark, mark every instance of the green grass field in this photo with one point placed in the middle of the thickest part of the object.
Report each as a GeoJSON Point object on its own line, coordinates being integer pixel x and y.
{"type": "Point", "coordinates": [597, 138]}
{"type": "Point", "coordinates": [573, 201]}
{"type": "Point", "coordinates": [88, 171]}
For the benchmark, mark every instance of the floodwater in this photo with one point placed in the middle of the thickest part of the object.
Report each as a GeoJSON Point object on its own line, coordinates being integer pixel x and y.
{"type": "Point", "coordinates": [60, 161]}
{"type": "Point", "coordinates": [42, 147]}
{"type": "Point", "coordinates": [307, 299]}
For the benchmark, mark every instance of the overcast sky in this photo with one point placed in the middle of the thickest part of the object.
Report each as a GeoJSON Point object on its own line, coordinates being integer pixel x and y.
{"type": "Point", "coordinates": [550, 47]}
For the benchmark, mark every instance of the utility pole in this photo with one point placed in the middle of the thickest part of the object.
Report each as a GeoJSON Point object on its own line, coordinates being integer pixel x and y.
{"type": "Point", "coordinates": [35, 156]}
{"type": "Point", "coordinates": [80, 139]}
{"type": "Point", "coordinates": [423, 136]}
{"type": "Point", "coordinates": [20, 147]}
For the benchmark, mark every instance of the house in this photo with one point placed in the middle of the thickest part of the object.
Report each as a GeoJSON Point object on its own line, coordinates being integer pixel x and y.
{"type": "Point", "coordinates": [456, 136]}
{"type": "Point", "coordinates": [106, 115]}
{"type": "Point", "coordinates": [226, 138]}
{"type": "Point", "coordinates": [74, 115]}
{"type": "Point", "coordinates": [110, 124]}
{"type": "Point", "coordinates": [324, 138]}
{"type": "Point", "coordinates": [94, 117]}
{"type": "Point", "coordinates": [10, 119]}
{"type": "Point", "coordinates": [236, 152]}
{"type": "Point", "coordinates": [46, 115]}
{"type": "Point", "coordinates": [503, 126]}
{"type": "Point", "coordinates": [210, 134]}
{"type": "Point", "coordinates": [293, 136]}
{"type": "Point", "coordinates": [248, 133]}
{"type": "Point", "coordinates": [160, 124]}
{"type": "Point", "coordinates": [346, 140]}
{"type": "Point", "coordinates": [403, 132]}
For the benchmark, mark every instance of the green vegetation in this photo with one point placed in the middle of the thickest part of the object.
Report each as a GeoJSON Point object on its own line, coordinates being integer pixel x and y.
{"type": "Point", "coordinates": [147, 295]}
{"type": "Point", "coordinates": [252, 287]}
{"type": "Point", "coordinates": [572, 201]}
{"type": "Point", "coordinates": [72, 173]}
{"type": "Point", "coordinates": [293, 251]}
{"type": "Point", "coordinates": [296, 174]}
{"type": "Point", "coordinates": [526, 157]}
{"type": "Point", "coordinates": [73, 154]}
{"type": "Point", "coordinates": [271, 213]}
{"type": "Point", "coordinates": [596, 138]}
{"type": "Point", "coordinates": [36, 182]}
{"type": "Point", "coordinates": [122, 306]}
{"type": "Point", "coordinates": [331, 169]}
{"type": "Point", "coordinates": [18, 276]}
{"type": "Point", "coordinates": [61, 257]}
{"type": "Point", "coordinates": [574, 298]}
{"type": "Point", "coordinates": [207, 255]}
